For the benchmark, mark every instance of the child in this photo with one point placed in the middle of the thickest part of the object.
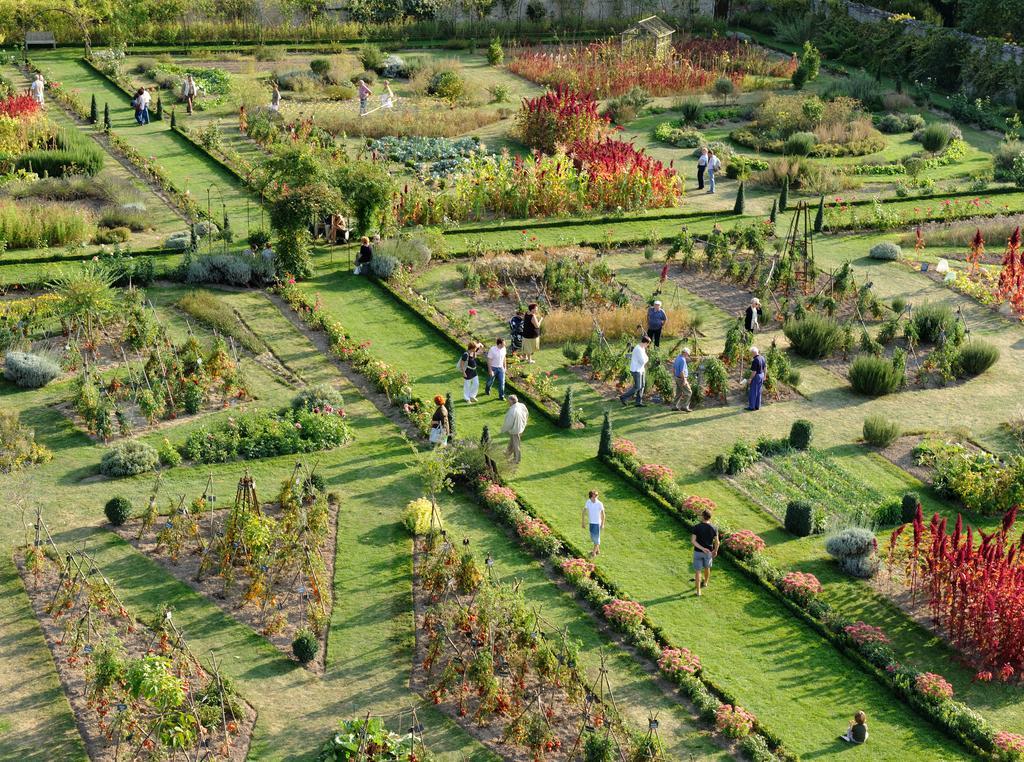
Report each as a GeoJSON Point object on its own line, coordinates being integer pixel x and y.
{"type": "Point", "coordinates": [858, 730]}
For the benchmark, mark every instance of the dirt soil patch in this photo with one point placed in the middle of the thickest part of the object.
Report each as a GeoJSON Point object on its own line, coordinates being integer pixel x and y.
{"type": "Point", "coordinates": [73, 660]}
{"type": "Point", "coordinates": [278, 622]}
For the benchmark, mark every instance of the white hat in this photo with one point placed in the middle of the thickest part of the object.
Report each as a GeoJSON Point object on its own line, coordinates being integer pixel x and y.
{"type": "Point", "coordinates": [657, 303]}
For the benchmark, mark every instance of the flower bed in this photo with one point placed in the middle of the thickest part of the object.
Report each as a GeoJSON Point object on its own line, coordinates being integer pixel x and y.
{"type": "Point", "coordinates": [609, 68]}
{"type": "Point", "coordinates": [626, 615]}
{"type": "Point", "coordinates": [676, 662]}
{"type": "Point", "coordinates": [879, 659]}
{"type": "Point", "coordinates": [734, 721]}
{"type": "Point", "coordinates": [863, 633]}
{"type": "Point", "coordinates": [744, 543]}
{"type": "Point", "coordinates": [933, 686]}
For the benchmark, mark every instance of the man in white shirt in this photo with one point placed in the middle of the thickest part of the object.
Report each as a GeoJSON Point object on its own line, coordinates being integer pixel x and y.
{"type": "Point", "coordinates": [593, 517]}
{"type": "Point", "coordinates": [144, 101]}
{"type": "Point", "coordinates": [38, 89]}
{"type": "Point", "coordinates": [637, 367]}
{"type": "Point", "coordinates": [514, 426]}
{"type": "Point", "coordinates": [496, 367]}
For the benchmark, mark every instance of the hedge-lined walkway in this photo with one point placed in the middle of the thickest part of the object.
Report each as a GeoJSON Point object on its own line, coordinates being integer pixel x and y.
{"type": "Point", "coordinates": [792, 679]}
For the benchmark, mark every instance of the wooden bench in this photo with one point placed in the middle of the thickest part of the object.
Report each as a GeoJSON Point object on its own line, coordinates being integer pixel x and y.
{"type": "Point", "coordinates": [40, 39]}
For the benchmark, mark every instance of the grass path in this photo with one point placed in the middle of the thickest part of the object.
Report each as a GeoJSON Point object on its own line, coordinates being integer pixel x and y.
{"type": "Point", "coordinates": [786, 674]}
{"type": "Point", "coordinates": [193, 170]}
{"type": "Point", "coordinates": [369, 645]}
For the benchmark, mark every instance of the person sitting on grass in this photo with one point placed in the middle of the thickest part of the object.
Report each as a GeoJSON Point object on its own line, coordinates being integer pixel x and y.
{"type": "Point", "coordinates": [858, 730]}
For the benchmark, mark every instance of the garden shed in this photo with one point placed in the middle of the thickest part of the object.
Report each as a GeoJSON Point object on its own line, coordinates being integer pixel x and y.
{"type": "Point", "coordinates": [652, 33]}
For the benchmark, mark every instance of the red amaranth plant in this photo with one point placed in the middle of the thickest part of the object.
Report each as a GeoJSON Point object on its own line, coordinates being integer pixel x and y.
{"type": "Point", "coordinates": [17, 106]}
{"type": "Point", "coordinates": [975, 592]}
{"type": "Point", "coordinates": [620, 175]}
{"type": "Point", "coordinates": [563, 116]}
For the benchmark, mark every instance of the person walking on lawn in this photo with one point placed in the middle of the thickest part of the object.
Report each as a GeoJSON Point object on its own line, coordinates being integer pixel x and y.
{"type": "Point", "coordinates": [496, 368]}
{"type": "Point", "coordinates": [758, 371]}
{"type": "Point", "coordinates": [705, 548]}
{"type": "Point", "coordinates": [638, 369]}
{"type": "Point", "coordinates": [714, 164]}
{"type": "Point", "coordinates": [681, 373]}
{"type": "Point", "coordinates": [189, 92]}
{"type": "Point", "coordinates": [514, 425]}
{"type": "Point", "coordinates": [468, 367]}
{"type": "Point", "coordinates": [656, 319]}
{"type": "Point", "coordinates": [593, 517]}
{"type": "Point", "coordinates": [364, 92]}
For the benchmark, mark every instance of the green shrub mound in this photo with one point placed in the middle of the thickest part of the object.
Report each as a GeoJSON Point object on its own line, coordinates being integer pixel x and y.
{"type": "Point", "coordinates": [800, 434]}
{"type": "Point", "coordinates": [738, 459]}
{"type": "Point", "coordinates": [318, 397]}
{"type": "Point", "coordinates": [854, 550]}
{"type": "Point", "coordinates": [892, 124]}
{"type": "Point", "coordinates": [118, 510]}
{"type": "Point", "coordinates": [875, 376]}
{"type": "Point", "coordinates": [29, 371]}
{"type": "Point", "coordinates": [886, 250]}
{"type": "Point", "coordinates": [1003, 159]}
{"type": "Point", "coordinates": [813, 336]}
{"type": "Point", "coordinates": [129, 458]}
{"type": "Point", "coordinates": [879, 431]}
{"type": "Point", "coordinates": [933, 321]}
{"type": "Point", "coordinates": [231, 269]}
{"type": "Point", "coordinates": [800, 144]}
{"type": "Point", "coordinates": [975, 358]}
{"type": "Point", "coordinates": [305, 646]}
{"type": "Point", "coordinates": [74, 154]}
{"type": "Point", "coordinates": [803, 519]}
{"type": "Point", "coordinates": [889, 514]}
{"type": "Point", "coordinates": [683, 137]}
{"type": "Point", "coordinates": [936, 136]}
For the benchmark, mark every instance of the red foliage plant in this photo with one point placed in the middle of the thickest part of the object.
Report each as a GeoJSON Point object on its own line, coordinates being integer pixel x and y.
{"type": "Point", "coordinates": [975, 592]}
{"type": "Point", "coordinates": [609, 68]}
{"type": "Point", "coordinates": [1011, 277]}
{"type": "Point", "coordinates": [563, 116]}
{"type": "Point", "coordinates": [18, 106]}
{"type": "Point", "coordinates": [614, 165]}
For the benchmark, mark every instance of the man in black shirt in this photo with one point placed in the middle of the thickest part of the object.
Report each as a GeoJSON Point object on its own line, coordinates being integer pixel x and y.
{"type": "Point", "coordinates": [705, 548]}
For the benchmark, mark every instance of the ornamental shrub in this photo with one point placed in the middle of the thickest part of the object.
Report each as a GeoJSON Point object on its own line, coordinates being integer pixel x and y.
{"type": "Point", "coordinates": [936, 136]}
{"type": "Point", "coordinates": [447, 85]}
{"type": "Point", "coordinates": [384, 266]}
{"type": "Point", "coordinates": [495, 53]}
{"type": "Point", "coordinates": [118, 510]}
{"type": "Point", "coordinates": [604, 447]}
{"type": "Point", "coordinates": [168, 454]}
{"type": "Point", "coordinates": [416, 517]}
{"type": "Point", "coordinates": [889, 513]}
{"type": "Point", "coordinates": [690, 110]}
{"type": "Point", "coordinates": [756, 747]}
{"type": "Point", "coordinates": [879, 431]}
{"type": "Point", "coordinates": [734, 722]}
{"type": "Point", "coordinates": [800, 144]}
{"type": "Point", "coordinates": [1003, 159]}
{"type": "Point", "coordinates": [933, 686]}
{"type": "Point", "coordinates": [370, 57]}
{"type": "Point", "coordinates": [803, 519]}
{"type": "Point", "coordinates": [724, 87]}
{"type": "Point", "coordinates": [562, 116]}
{"type": "Point", "coordinates": [932, 322]}
{"type": "Point", "coordinates": [129, 458]}
{"type": "Point", "coordinates": [875, 376]}
{"type": "Point", "coordinates": [855, 551]}
{"type": "Point", "coordinates": [976, 357]}
{"type": "Point", "coordinates": [800, 434]}
{"type": "Point", "coordinates": [319, 397]}
{"type": "Point", "coordinates": [744, 543]}
{"type": "Point", "coordinates": [566, 412]}
{"type": "Point", "coordinates": [305, 646]}
{"type": "Point", "coordinates": [740, 204]}
{"type": "Point", "coordinates": [813, 336]}
{"type": "Point", "coordinates": [886, 250]}
{"type": "Point", "coordinates": [29, 371]}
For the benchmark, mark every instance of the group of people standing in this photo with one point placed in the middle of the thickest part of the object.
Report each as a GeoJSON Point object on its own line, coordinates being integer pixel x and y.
{"type": "Point", "coordinates": [707, 163]}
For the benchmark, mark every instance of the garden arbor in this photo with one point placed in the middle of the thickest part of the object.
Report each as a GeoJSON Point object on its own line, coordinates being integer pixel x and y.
{"type": "Point", "coordinates": [651, 33]}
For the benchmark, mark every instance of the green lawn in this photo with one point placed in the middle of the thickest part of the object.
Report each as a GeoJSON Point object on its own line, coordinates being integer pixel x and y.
{"type": "Point", "coordinates": [791, 678]}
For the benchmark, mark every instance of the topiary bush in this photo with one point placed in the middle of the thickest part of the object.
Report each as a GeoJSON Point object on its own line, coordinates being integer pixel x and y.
{"type": "Point", "coordinates": [305, 646]}
{"type": "Point", "coordinates": [875, 376]}
{"type": "Point", "coordinates": [118, 510]}
{"type": "Point", "coordinates": [855, 550]}
{"type": "Point", "coordinates": [319, 397]}
{"type": "Point", "coordinates": [129, 458]}
{"type": "Point", "coordinates": [800, 434]}
{"type": "Point", "coordinates": [813, 336]}
{"type": "Point", "coordinates": [29, 371]}
{"type": "Point", "coordinates": [416, 517]}
{"type": "Point", "coordinates": [886, 250]}
{"type": "Point", "coordinates": [803, 519]}
{"type": "Point", "coordinates": [975, 358]}
{"type": "Point", "coordinates": [908, 506]}
{"type": "Point", "coordinates": [879, 431]}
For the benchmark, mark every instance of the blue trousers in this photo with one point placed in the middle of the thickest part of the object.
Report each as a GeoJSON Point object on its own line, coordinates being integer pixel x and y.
{"type": "Point", "coordinates": [142, 117]}
{"type": "Point", "coordinates": [637, 389]}
{"type": "Point", "coordinates": [498, 378]}
{"type": "Point", "coordinates": [754, 393]}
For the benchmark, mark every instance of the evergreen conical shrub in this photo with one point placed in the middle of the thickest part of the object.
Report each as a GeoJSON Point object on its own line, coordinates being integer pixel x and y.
{"type": "Point", "coordinates": [740, 201]}
{"type": "Point", "coordinates": [451, 415]}
{"type": "Point", "coordinates": [565, 414]}
{"type": "Point", "coordinates": [106, 116]}
{"type": "Point", "coordinates": [485, 436]}
{"type": "Point", "coordinates": [784, 195]}
{"type": "Point", "coordinates": [604, 448]}
{"type": "Point", "coordinates": [773, 216]}
{"type": "Point", "coordinates": [94, 112]}
{"type": "Point", "coordinates": [819, 218]}
{"type": "Point", "coordinates": [159, 109]}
